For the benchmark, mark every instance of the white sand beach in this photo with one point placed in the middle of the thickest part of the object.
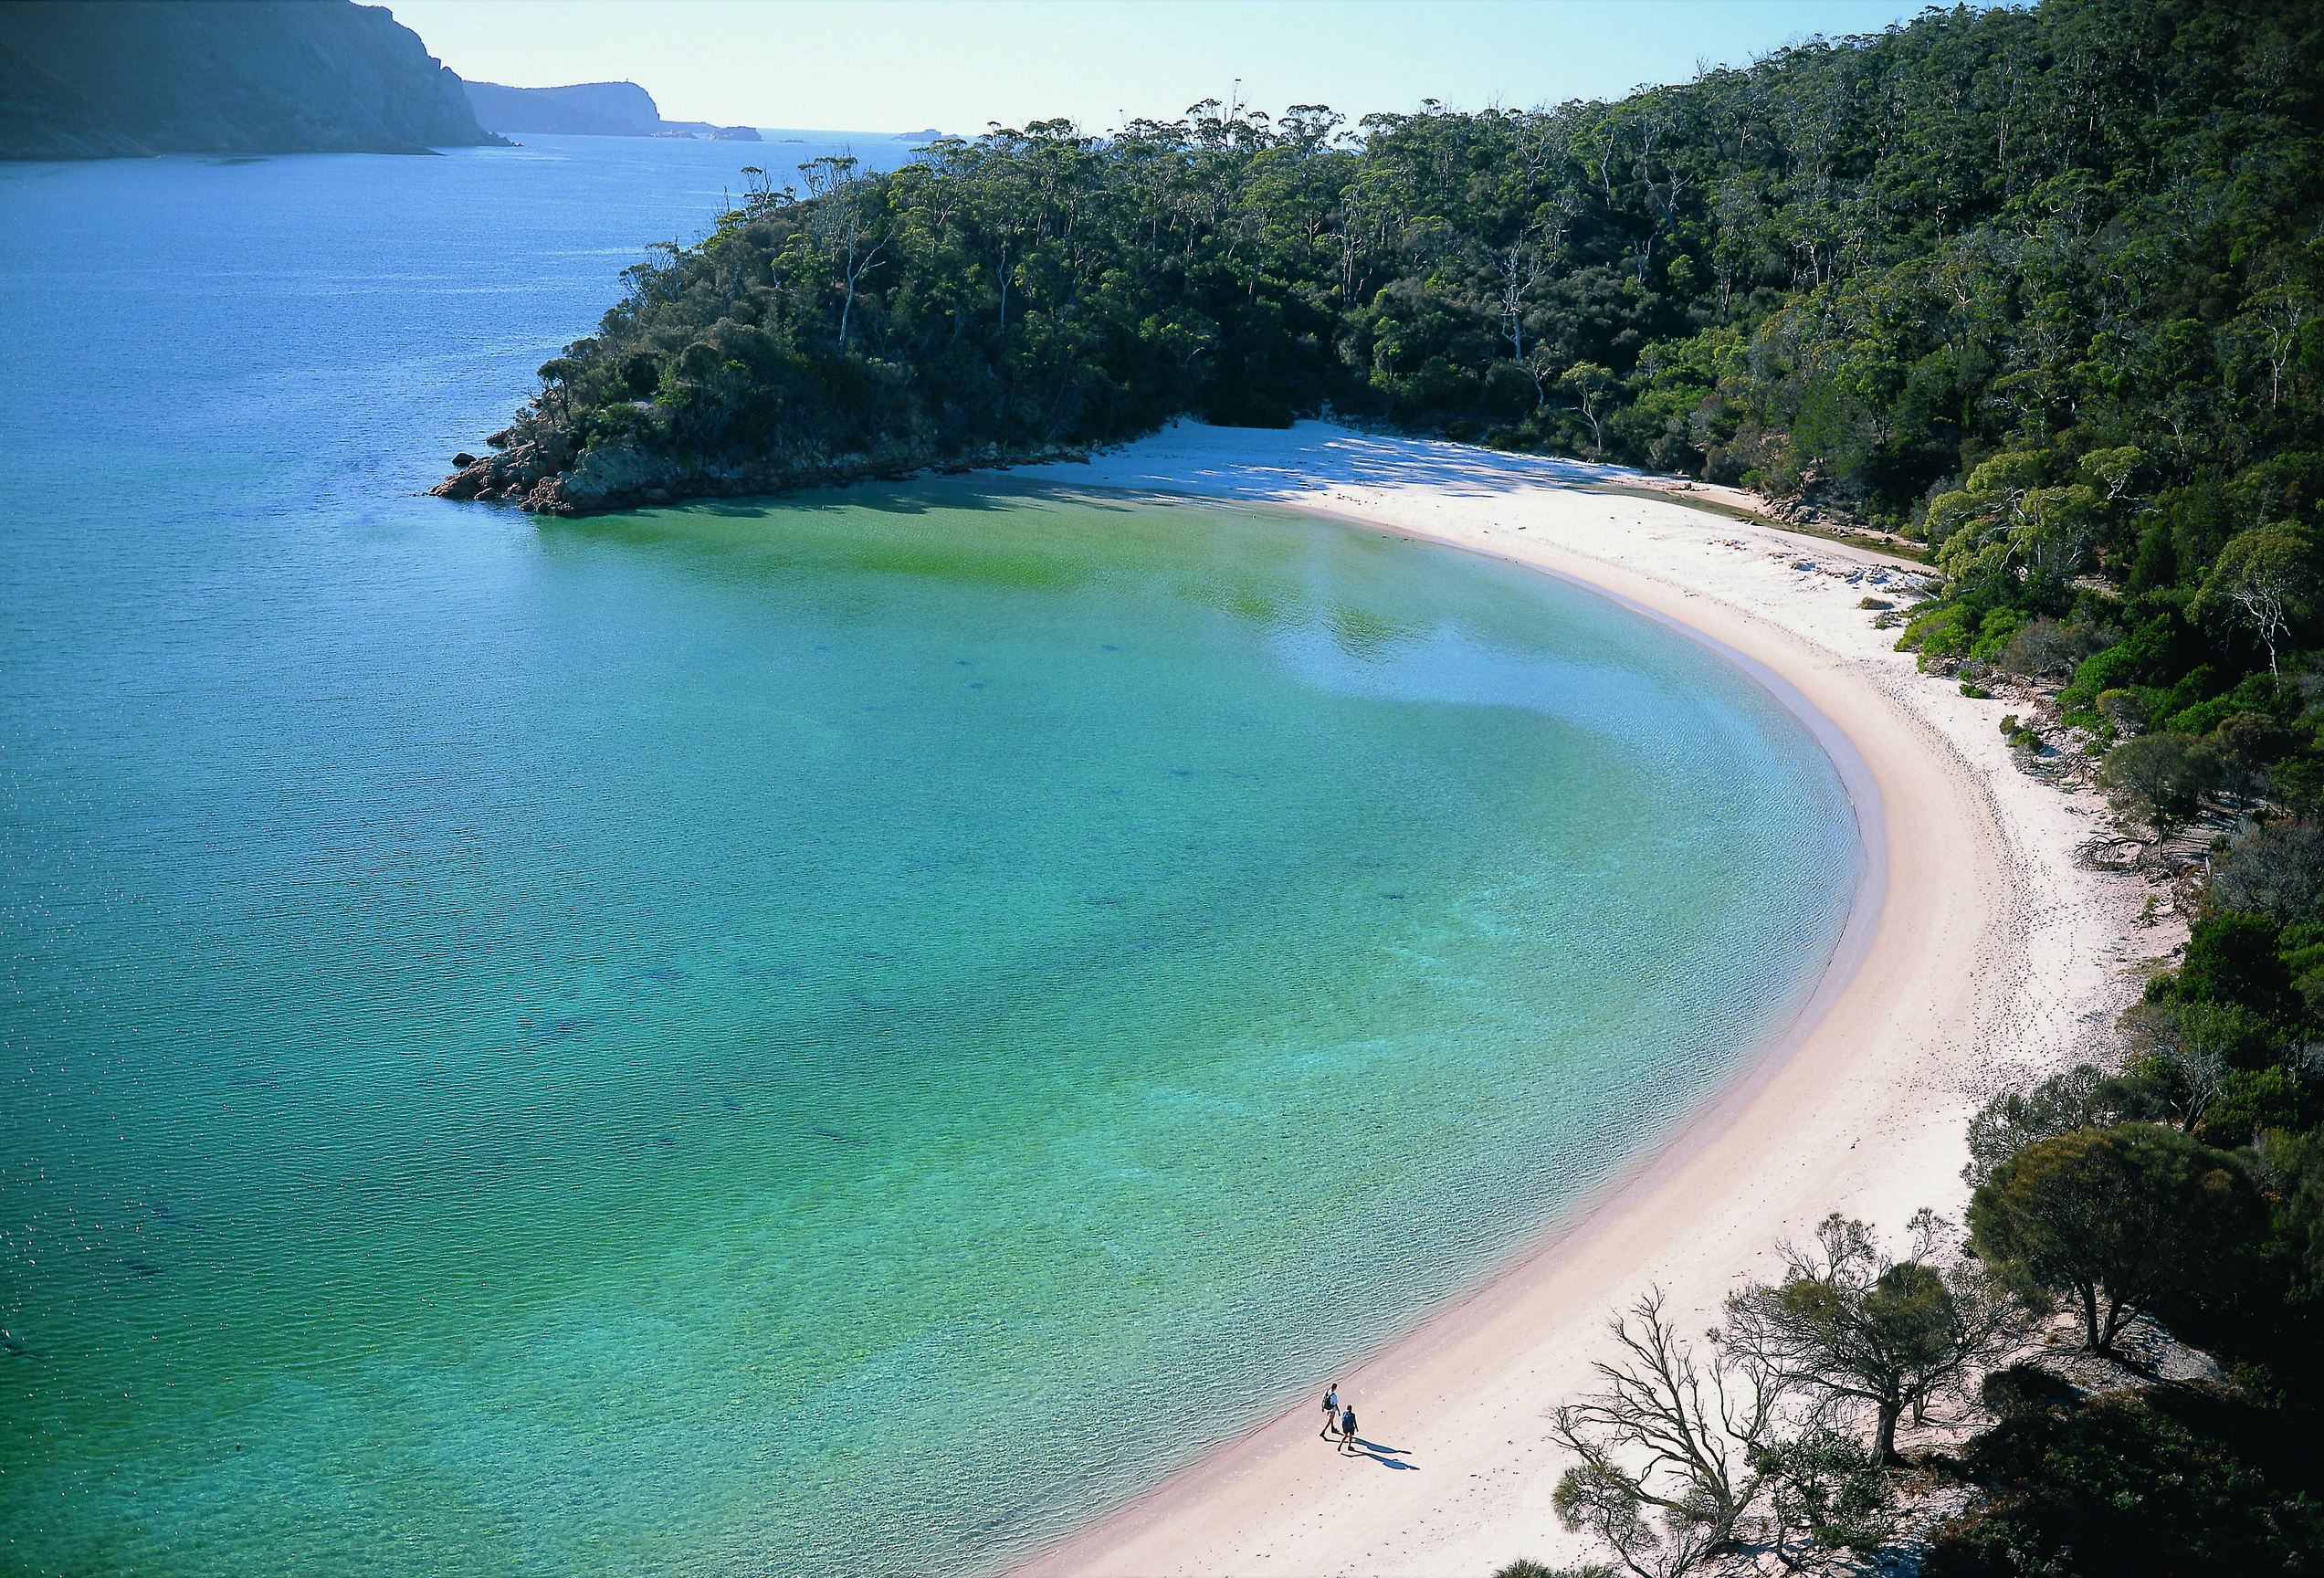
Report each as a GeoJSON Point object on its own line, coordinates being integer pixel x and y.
{"type": "Point", "coordinates": [1992, 955]}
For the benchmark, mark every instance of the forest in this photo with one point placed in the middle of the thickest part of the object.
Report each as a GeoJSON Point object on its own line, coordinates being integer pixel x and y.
{"type": "Point", "coordinates": [2040, 286]}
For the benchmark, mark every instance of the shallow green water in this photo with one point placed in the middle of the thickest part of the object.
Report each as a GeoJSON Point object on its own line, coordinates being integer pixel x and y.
{"type": "Point", "coordinates": [923, 1015]}
{"type": "Point", "coordinates": [842, 1036]}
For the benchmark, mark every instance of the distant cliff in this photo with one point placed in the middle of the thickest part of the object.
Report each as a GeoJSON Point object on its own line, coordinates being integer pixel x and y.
{"type": "Point", "coordinates": [94, 80]}
{"type": "Point", "coordinates": [585, 109]}
{"type": "Point", "coordinates": [589, 109]}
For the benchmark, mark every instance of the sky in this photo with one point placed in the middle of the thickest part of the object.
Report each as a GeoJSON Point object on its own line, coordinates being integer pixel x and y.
{"type": "Point", "coordinates": [957, 65]}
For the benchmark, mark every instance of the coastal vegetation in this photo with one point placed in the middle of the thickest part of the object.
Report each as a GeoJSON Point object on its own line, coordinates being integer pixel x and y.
{"type": "Point", "coordinates": [2178, 1196]}
{"type": "Point", "coordinates": [1780, 1441]}
{"type": "Point", "coordinates": [1684, 1460]}
{"type": "Point", "coordinates": [2155, 1474]}
{"type": "Point", "coordinates": [2037, 286]}
{"type": "Point", "coordinates": [2130, 1314]}
{"type": "Point", "coordinates": [2183, 1183]}
{"type": "Point", "coordinates": [1855, 1324]}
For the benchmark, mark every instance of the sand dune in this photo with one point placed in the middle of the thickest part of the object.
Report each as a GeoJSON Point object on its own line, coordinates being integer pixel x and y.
{"type": "Point", "coordinates": [1980, 950]}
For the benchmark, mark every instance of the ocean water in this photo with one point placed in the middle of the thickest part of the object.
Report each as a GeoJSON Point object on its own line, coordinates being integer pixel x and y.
{"type": "Point", "coordinates": [839, 1034]}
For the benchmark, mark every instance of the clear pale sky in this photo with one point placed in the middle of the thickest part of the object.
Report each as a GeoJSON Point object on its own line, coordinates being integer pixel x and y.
{"type": "Point", "coordinates": [902, 65]}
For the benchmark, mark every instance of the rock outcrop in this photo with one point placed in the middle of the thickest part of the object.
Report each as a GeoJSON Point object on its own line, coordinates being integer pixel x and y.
{"type": "Point", "coordinates": [587, 110]}
{"type": "Point", "coordinates": [544, 477]}
{"type": "Point", "coordinates": [106, 79]}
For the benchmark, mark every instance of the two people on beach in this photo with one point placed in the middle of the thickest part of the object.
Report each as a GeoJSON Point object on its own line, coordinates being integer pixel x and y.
{"type": "Point", "coordinates": [1339, 1418]}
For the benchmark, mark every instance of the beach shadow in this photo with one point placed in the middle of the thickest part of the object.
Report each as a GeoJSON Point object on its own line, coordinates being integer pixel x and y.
{"type": "Point", "coordinates": [1382, 1455]}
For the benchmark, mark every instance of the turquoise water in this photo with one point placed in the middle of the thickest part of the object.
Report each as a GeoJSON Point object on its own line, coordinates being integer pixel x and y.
{"type": "Point", "coordinates": [839, 1036]}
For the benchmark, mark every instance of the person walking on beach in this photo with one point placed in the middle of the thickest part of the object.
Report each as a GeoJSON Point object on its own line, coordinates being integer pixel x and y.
{"type": "Point", "coordinates": [1331, 1409]}
{"type": "Point", "coordinates": [1347, 1430]}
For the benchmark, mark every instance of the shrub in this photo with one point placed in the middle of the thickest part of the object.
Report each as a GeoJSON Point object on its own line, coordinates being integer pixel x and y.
{"type": "Point", "coordinates": [1827, 1491]}
{"type": "Point", "coordinates": [2298, 1162]}
{"type": "Point", "coordinates": [2045, 647]}
{"type": "Point", "coordinates": [2168, 1482]}
{"type": "Point", "coordinates": [639, 373]}
{"type": "Point", "coordinates": [2160, 778]}
{"type": "Point", "coordinates": [2169, 1088]}
{"type": "Point", "coordinates": [2123, 709]}
{"type": "Point", "coordinates": [1940, 632]}
{"type": "Point", "coordinates": [2277, 871]}
{"type": "Point", "coordinates": [2061, 1104]}
{"type": "Point", "coordinates": [2231, 958]}
{"type": "Point", "coordinates": [2251, 1100]}
{"type": "Point", "coordinates": [2024, 1388]}
{"type": "Point", "coordinates": [2138, 657]}
{"type": "Point", "coordinates": [2231, 1033]}
{"type": "Point", "coordinates": [1994, 633]}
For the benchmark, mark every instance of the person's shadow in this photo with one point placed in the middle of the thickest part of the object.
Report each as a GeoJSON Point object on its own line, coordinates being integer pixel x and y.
{"type": "Point", "coordinates": [1383, 1456]}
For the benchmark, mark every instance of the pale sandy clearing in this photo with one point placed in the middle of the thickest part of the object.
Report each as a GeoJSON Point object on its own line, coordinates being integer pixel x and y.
{"type": "Point", "coordinates": [1992, 954]}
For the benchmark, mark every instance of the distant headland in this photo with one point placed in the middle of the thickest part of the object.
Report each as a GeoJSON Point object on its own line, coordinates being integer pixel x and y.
{"type": "Point", "coordinates": [588, 110]}
{"type": "Point", "coordinates": [135, 77]}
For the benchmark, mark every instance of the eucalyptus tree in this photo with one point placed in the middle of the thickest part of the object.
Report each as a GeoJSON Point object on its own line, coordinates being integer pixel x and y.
{"type": "Point", "coordinates": [849, 220]}
{"type": "Point", "coordinates": [2261, 580]}
{"type": "Point", "coordinates": [1671, 1439]}
{"type": "Point", "coordinates": [1849, 1323]}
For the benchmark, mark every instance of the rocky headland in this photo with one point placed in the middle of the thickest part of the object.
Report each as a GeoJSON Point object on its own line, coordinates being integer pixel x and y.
{"type": "Point", "coordinates": [539, 471]}
{"type": "Point", "coordinates": [588, 110]}
{"type": "Point", "coordinates": [134, 77]}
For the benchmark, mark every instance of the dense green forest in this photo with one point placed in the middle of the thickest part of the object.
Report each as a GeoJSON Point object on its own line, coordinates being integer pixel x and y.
{"type": "Point", "coordinates": [2067, 253]}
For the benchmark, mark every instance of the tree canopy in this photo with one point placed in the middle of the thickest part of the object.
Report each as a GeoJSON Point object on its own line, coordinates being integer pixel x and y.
{"type": "Point", "coordinates": [2117, 1218]}
{"type": "Point", "coordinates": [2040, 284]}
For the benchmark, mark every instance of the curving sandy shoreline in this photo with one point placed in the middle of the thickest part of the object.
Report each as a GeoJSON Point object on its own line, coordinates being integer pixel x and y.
{"type": "Point", "coordinates": [1991, 953]}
